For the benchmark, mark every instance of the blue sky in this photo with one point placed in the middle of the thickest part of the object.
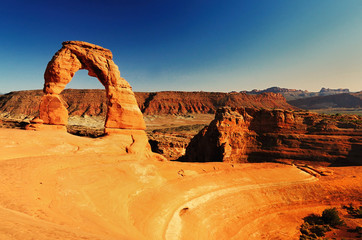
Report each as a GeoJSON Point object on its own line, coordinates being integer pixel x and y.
{"type": "Point", "coordinates": [190, 45]}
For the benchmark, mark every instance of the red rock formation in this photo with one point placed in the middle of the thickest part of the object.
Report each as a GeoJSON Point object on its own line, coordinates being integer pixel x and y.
{"type": "Point", "coordinates": [173, 102]}
{"type": "Point", "coordinates": [92, 102]}
{"type": "Point", "coordinates": [249, 135]}
{"type": "Point", "coordinates": [122, 109]}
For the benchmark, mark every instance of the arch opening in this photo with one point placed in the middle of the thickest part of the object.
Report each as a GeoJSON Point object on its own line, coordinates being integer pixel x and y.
{"type": "Point", "coordinates": [82, 80]}
{"type": "Point", "coordinates": [86, 104]}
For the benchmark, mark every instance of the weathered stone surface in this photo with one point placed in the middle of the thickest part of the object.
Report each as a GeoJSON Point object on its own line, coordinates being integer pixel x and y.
{"type": "Point", "coordinates": [36, 120]}
{"type": "Point", "coordinates": [52, 110]}
{"type": "Point", "coordinates": [122, 108]}
{"type": "Point", "coordinates": [123, 111]}
{"type": "Point", "coordinates": [35, 124]}
{"type": "Point", "coordinates": [250, 135]}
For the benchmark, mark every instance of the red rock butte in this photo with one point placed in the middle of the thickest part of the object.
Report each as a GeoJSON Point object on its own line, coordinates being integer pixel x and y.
{"type": "Point", "coordinates": [122, 109]}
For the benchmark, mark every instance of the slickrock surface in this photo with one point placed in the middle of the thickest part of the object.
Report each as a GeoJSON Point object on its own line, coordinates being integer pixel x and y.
{"type": "Point", "coordinates": [61, 186]}
{"type": "Point", "coordinates": [122, 109]}
{"type": "Point", "coordinates": [250, 135]}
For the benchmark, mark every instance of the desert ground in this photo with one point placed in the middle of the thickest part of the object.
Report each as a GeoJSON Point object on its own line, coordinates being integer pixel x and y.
{"type": "Point", "coordinates": [55, 185]}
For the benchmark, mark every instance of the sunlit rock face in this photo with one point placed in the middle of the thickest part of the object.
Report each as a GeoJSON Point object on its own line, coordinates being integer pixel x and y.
{"type": "Point", "coordinates": [259, 135]}
{"type": "Point", "coordinates": [122, 109]}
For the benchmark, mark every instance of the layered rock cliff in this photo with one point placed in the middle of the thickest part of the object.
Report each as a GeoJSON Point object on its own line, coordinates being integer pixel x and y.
{"type": "Point", "coordinates": [250, 135]}
{"type": "Point", "coordinates": [174, 102]}
{"type": "Point", "coordinates": [92, 102]}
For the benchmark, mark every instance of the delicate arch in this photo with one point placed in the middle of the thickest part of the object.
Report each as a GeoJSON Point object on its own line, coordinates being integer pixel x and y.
{"type": "Point", "coordinates": [122, 109]}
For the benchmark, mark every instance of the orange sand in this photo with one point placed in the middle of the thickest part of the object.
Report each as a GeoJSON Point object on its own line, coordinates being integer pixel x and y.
{"type": "Point", "coordinates": [54, 185]}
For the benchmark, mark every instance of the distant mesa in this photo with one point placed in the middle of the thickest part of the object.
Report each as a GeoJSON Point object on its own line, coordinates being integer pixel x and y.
{"type": "Point", "coordinates": [339, 90]}
{"type": "Point", "coordinates": [275, 90]}
{"type": "Point", "coordinates": [284, 90]}
{"type": "Point", "coordinates": [122, 108]}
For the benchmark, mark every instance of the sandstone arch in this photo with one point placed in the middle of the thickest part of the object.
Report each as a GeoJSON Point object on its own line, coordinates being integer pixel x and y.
{"type": "Point", "coordinates": [122, 109]}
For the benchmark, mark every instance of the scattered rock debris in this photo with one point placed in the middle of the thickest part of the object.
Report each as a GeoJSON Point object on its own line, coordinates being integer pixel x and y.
{"type": "Point", "coordinates": [181, 172]}
{"type": "Point", "coordinates": [183, 211]}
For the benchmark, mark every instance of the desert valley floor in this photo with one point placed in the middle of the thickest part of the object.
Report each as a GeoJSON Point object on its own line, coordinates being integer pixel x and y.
{"type": "Point", "coordinates": [55, 185]}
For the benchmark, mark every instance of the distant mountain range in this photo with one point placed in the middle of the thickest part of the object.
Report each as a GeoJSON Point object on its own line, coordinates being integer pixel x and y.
{"type": "Point", "coordinates": [292, 94]}
{"type": "Point", "coordinates": [344, 100]}
{"type": "Point", "coordinates": [326, 98]}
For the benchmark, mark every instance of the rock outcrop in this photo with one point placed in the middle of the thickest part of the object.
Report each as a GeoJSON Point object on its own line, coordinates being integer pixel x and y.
{"type": "Point", "coordinates": [122, 109]}
{"type": "Point", "coordinates": [250, 135]}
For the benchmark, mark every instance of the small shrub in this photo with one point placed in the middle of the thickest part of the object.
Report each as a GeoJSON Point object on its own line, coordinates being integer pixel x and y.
{"type": "Point", "coordinates": [354, 211]}
{"type": "Point", "coordinates": [358, 212]}
{"type": "Point", "coordinates": [315, 226]}
{"type": "Point", "coordinates": [304, 229]}
{"type": "Point", "coordinates": [330, 216]}
{"type": "Point", "coordinates": [320, 230]}
{"type": "Point", "coordinates": [305, 237]}
{"type": "Point", "coordinates": [313, 219]}
{"type": "Point", "coordinates": [312, 231]}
